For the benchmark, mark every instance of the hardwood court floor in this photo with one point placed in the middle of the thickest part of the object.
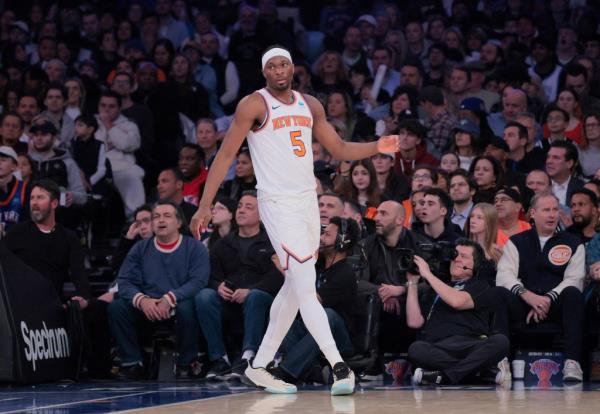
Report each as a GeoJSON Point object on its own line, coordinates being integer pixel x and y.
{"type": "Point", "coordinates": [199, 397]}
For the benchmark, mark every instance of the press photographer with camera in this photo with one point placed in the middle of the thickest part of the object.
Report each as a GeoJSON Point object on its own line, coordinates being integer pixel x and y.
{"type": "Point", "coordinates": [455, 318]}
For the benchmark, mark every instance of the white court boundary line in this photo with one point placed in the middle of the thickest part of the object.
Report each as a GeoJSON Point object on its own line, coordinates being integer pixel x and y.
{"type": "Point", "coordinates": [135, 410]}
{"type": "Point", "coordinates": [33, 409]}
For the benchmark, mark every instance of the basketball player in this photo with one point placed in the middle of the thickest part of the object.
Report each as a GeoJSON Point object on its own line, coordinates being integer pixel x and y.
{"type": "Point", "coordinates": [279, 123]}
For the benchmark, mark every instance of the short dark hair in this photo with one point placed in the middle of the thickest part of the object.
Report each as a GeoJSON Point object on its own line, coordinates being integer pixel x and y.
{"type": "Point", "coordinates": [478, 253]}
{"type": "Point", "coordinates": [49, 186]}
{"type": "Point", "coordinates": [57, 86]}
{"type": "Point", "coordinates": [574, 69]}
{"type": "Point", "coordinates": [352, 231]}
{"type": "Point", "coordinates": [332, 194]}
{"type": "Point", "coordinates": [16, 115]}
{"type": "Point", "coordinates": [464, 174]}
{"type": "Point", "coordinates": [433, 172]}
{"type": "Point", "coordinates": [195, 147]}
{"type": "Point", "coordinates": [176, 172]}
{"type": "Point", "coordinates": [523, 134]}
{"type": "Point", "coordinates": [249, 193]}
{"type": "Point", "coordinates": [143, 207]}
{"type": "Point", "coordinates": [571, 153]}
{"type": "Point", "coordinates": [89, 120]}
{"type": "Point", "coordinates": [178, 213]}
{"type": "Point", "coordinates": [111, 94]}
{"type": "Point", "coordinates": [591, 195]}
{"type": "Point", "coordinates": [445, 200]}
{"type": "Point", "coordinates": [555, 108]}
{"type": "Point", "coordinates": [465, 69]}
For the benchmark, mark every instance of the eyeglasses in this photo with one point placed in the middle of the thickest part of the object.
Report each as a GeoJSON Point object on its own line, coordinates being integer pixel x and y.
{"type": "Point", "coordinates": [423, 177]}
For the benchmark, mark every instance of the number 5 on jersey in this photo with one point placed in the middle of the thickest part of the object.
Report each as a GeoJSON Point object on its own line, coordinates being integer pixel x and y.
{"type": "Point", "coordinates": [297, 143]}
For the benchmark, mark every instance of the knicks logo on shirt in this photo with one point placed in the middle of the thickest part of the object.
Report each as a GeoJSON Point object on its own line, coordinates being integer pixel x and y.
{"type": "Point", "coordinates": [292, 121]}
{"type": "Point", "coordinates": [560, 255]}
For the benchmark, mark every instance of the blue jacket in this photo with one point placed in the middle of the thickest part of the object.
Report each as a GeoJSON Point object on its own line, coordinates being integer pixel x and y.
{"type": "Point", "coordinates": [148, 271]}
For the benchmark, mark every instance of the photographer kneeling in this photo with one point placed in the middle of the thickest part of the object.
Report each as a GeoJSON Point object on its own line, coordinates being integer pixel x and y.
{"type": "Point", "coordinates": [456, 322]}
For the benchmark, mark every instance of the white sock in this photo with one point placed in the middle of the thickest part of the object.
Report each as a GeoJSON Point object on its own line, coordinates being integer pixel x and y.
{"type": "Point", "coordinates": [248, 354]}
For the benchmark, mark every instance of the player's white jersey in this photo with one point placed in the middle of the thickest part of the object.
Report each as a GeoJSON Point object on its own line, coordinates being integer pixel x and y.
{"type": "Point", "coordinates": [281, 148]}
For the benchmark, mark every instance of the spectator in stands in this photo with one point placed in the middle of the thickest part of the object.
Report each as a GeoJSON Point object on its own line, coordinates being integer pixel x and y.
{"type": "Point", "coordinates": [458, 85]}
{"type": "Point", "coordinates": [140, 114]}
{"type": "Point", "coordinates": [139, 229]}
{"type": "Point", "coordinates": [403, 105]}
{"type": "Point", "coordinates": [55, 100]}
{"type": "Point", "coordinates": [513, 102]}
{"type": "Point", "coordinates": [584, 213]}
{"type": "Point", "coordinates": [363, 188]}
{"type": "Point", "coordinates": [482, 227]}
{"type": "Point", "coordinates": [228, 81]}
{"type": "Point", "coordinates": [561, 162]}
{"type": "Point", "coordinates": [192, 99]}
{"type": "Point", "coordinates": [455, 316]}
{"type": "Point", "coordinates": [413, 150]}
{"type": "Point", "coordinates": [242, 285]}
{"type": "Point", "coordinates": [146, 295]}
{"type": "Point", "coordinates": [487, 172]}
{"type": "Point", "coordinates": [435, 225]}
{"type": "Point", "coordinates": [223, 220]}
{"type": "Point", "coordinates": [543, 271]}
{"type": "Point", "coordinates": [11, 129]}
{"type": "Point", "coordinates": [578, 78]}
{"type": "Point", "coordinates": [573, 128]}
{"type": "Point", "coordinates": [75, 97]}
{"type": "Point", "coordinates": [352, 211]}
{"type": "Point", "coordinates": [28, 108]}
{"type": "Point", "coordinates": [440, 120]}
{"type": "Point", "coordinates": [339, 108]}
{"type": "Point", "coordinates": [382, 56]}
{"type": "Point", "coordinates": [509, 205]}
{"type": "Point", "coordinates": [208, 138]}
{"type": "Point", "coordinates": [353, 54]}
{"type": "Point", "coordinates": [56, 164]}
{"type": "Point", "coordinates": [449, 162]}
{"type": "Point", "coordinates": [90, 155]}
{"type": "Point", "coordinates": [411, 74]}
{"type": "Point", "coordinates": [244, 180]}
{"type": "Point", "coordinates": [170, 187]}
{"type": "Point", "coordinates": [14, 193]}
{"type": "Point", "coordinates": [391, 185]}
{"type": "Point", "coordinates": [122, 139]}
{"type": "Point", "coordinates": [55, 252]}
{"type": "Point", "coordinates": [462, 190]}
{"type": "Point", "coordinates": [330, 205]}
{"type": "Point", "coordinates": [418, 45]}
{"type": "Point", "coordinates": [169, 27]}
{"type": "Point", "coordinates": [520, 158]}
{"type": "Point", "coordinates": [194, 174]}
{"type": "Point", "coordinates": [337, 292]}
{"type": "Point", "coordinates": [539, 181]}
{"type": "Point", "coordinates": [545, 66]}
{"type": "Point", "coordinates": [589, 149]}
{"type": "Point", "coordinates": [330, 74]}
{"type": "Point", "coordinates": [466, 142]}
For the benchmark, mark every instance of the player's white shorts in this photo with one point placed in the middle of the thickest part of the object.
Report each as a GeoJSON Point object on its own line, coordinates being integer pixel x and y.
{"type": "Point", "coordinates": [293, 225]}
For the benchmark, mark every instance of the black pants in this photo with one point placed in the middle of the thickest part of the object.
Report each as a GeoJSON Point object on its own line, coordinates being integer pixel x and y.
{"type": "Point", "coordinates": [459, 356]}
{"type": "Point", "coordinates": [98, 358]}
{"type": "Point", "coordinates": [567, 310]}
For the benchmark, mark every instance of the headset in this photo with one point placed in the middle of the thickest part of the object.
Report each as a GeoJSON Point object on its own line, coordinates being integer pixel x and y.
{"type": "Point", "coordinates": [342, 240]}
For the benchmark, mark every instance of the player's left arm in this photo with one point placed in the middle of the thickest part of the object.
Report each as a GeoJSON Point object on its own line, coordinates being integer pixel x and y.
{"type": "Point", "coordinates": [340, 149]}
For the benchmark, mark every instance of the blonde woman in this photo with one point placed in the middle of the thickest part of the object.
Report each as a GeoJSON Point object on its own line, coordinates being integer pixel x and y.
{"type": "Point", "coordinates": [482, 227]}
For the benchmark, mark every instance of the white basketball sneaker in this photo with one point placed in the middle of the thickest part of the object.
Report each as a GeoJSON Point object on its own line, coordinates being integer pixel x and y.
{"type": "Point", "coordinates": [260, 377]}
{"type": "Point", "coordinates": [343, 380]}
{"type": "Point", "coordinates": [572, 371]}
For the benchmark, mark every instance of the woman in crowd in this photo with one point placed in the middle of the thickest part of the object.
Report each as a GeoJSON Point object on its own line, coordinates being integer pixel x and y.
{"type": "Point", "coordinates": [482, 227]}
{"type": "Point", "coordinates": [244, 177]}
{"type": "Point", "coordinates": [391, 186]}
{"type": "Point", "coordinates": [568, 101]}
{"type": "Point", "coordinates": [404, 104]}
{"type": "Point", "coordinates": [330, 74]}
{"type": "Point", "coordinates": [449, 162]}
{"type": "Point", "coordinates": [363, 189]}
{"type": "Point", "coordinates": [488, 175]}
{"type": "Point", "coordinates": [339, 107]}
{"type": "Point", "coordinates": [466, 146]}
{"type": "Point", "coordinates": [126, 31]}
{"type": "Point", "coordinates": [163, 54]}
{"type": "Point", "coordinates": [223, 220]}
{"type": "Point", "coordinates": [589, 149]}
{"type": "Point", "coordinates": [76, 97]}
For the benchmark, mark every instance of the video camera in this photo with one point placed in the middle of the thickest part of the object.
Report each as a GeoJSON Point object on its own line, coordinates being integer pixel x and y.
{"type": "Point", "coordinates": [437, 254]}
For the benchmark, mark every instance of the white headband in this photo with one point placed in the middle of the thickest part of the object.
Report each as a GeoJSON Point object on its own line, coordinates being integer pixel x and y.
{"type": "Point", "coordinates": [277, 51]}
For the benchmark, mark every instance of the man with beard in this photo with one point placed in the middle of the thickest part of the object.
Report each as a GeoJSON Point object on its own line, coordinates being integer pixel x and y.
{"type": "Point", "coordinates": [55, 252]}
{"type": "Point", "coordinates": [194, 174]}
{"type": "Point", "coordinates": [584, 212]}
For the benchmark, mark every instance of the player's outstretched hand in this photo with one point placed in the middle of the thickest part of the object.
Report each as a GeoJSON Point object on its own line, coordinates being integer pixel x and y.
{"type": "Point", "coordinates": [388, 144]}
{"type": "Point", "coordinates": [200, 221]}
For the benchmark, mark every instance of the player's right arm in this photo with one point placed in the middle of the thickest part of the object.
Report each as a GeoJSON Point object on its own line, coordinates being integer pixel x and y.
{"type": "Point", "coordinates": [250, 110]}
